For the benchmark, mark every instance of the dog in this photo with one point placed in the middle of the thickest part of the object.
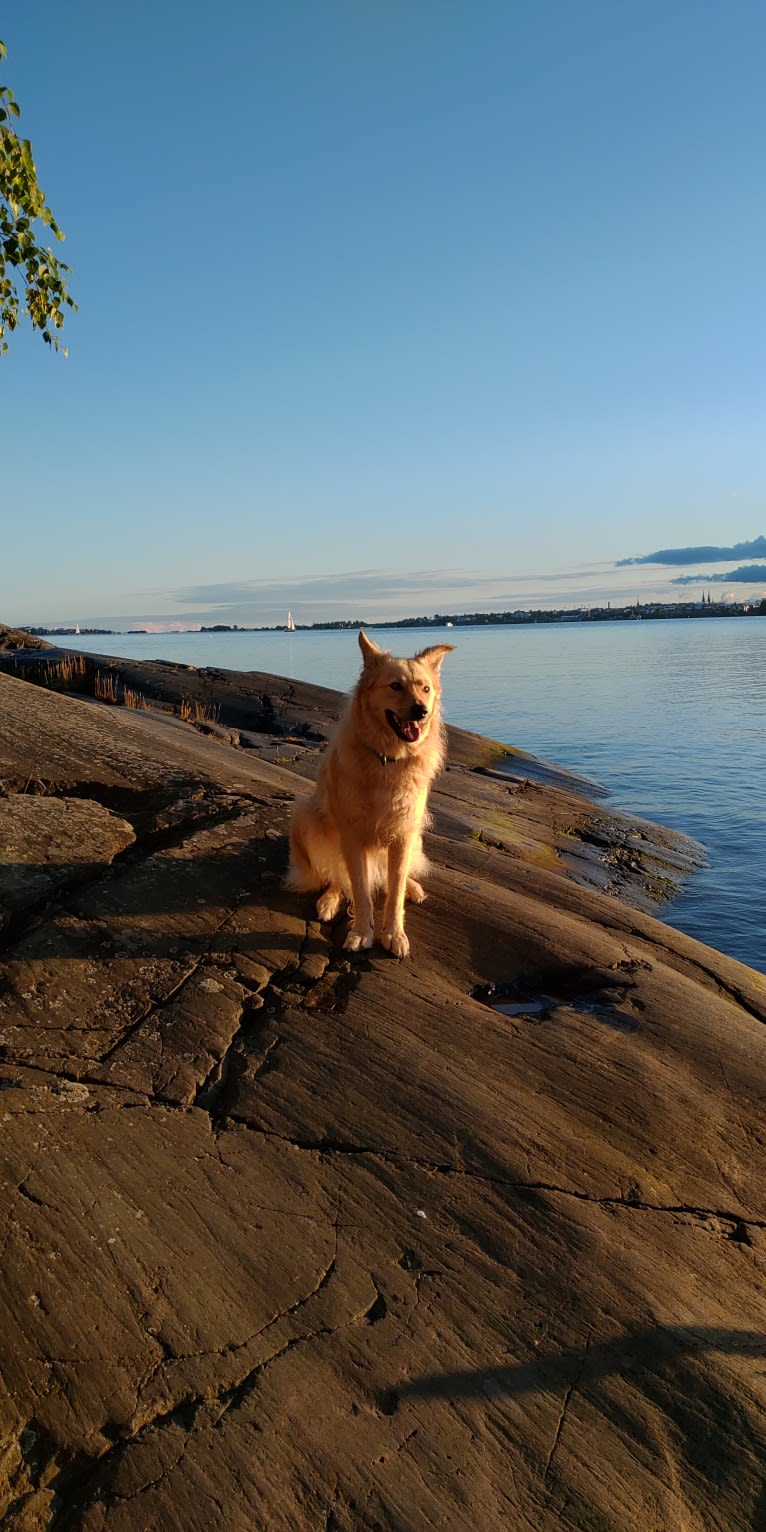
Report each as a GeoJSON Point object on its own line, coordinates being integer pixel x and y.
{"type": "Point", "coordinates": [362, 828]}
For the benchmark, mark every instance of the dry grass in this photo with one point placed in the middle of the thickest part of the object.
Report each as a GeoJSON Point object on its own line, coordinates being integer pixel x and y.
{"type": "Point", "coordinates": [71, 674]}
{"type": "Point", "coordinates": [192, 711]}
{"type": "Point", "coordinates": [106, 688]}
{"type": "Point", "coordinates": [56, 675]}
{"type": "Point", "coordinates": [62, 674]}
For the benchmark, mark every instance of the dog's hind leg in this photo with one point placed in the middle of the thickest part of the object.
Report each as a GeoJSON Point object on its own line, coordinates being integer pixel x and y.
{"type": "Point", "coordinates": [415, 891]}
{"type": "Point", "coordinates": [330, 902]}
{"type": "Point", "coordinates": [316, 863]}
{"type": "Point", "coordinates": [302, 874]}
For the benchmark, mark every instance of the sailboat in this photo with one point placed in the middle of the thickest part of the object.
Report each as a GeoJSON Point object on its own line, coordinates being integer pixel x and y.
{"type": "Point", "coordinates": [291, 628]}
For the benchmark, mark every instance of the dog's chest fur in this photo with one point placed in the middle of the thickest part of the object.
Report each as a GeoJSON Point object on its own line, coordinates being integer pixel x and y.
{"type": "Point", "coordinates": [386, 800]}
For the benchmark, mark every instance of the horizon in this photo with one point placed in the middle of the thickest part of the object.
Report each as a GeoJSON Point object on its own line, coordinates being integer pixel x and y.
{"type": "Point", "coordinates": [436, 306]}
{"type": "Point", "coordinates": [388, 596]}
{"type": "Point", "coordinates": [446, 618]}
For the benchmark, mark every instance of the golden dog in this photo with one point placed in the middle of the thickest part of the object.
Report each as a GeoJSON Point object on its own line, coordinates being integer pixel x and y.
{"type": "Point", "coordinates": [362, 828]}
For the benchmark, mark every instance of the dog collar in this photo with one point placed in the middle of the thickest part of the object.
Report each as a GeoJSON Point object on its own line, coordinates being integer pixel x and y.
{"type": "Point", "coordinates": [385, 760]}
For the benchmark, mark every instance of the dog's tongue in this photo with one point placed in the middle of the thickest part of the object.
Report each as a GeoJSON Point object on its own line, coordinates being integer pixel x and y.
{"type": "Point", "coordinates": [410, 730]}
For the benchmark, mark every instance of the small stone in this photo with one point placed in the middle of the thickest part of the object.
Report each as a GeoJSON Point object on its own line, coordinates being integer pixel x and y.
{"type": "Point", "coordinates": [253, 973]}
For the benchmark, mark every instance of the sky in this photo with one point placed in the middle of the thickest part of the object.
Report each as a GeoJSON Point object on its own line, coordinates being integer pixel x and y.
{"type": "Point", "coordinates": [389, 307]}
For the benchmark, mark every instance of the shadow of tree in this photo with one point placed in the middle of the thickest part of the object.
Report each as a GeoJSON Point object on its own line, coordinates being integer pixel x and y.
{"type": "Point", "coordinates": [720, 1440]}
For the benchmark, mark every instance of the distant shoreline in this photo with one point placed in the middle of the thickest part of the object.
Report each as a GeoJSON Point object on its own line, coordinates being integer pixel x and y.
{"type": "Point", "coordinates": [638, 611]}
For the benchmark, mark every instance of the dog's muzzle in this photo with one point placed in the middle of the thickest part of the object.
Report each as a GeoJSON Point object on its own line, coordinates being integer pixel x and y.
{"type": "Point", "coordinates": [408, 729]}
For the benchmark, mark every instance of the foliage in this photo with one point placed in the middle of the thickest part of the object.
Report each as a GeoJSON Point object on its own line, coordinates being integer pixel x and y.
{"type": "Point", "coordinates": [32, 280]}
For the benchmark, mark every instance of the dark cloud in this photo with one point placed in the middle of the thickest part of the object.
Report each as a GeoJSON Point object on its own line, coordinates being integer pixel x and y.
{"type": "Point", "coordinates": [703, 555]}
{"type": "Point", "coordinates": [747, 574]}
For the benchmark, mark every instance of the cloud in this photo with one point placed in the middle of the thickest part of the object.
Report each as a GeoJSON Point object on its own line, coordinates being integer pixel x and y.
{"type": "Point", "coordinates": [703, 555]}
{"type": "Point", "coordinates": [384, 595]}
{"type": "Point", "coordinates": [321, 588]}
{"type": "Point", "coordinates": [370, 594]}
{"type": "Point", "coordinates": [747, 574]}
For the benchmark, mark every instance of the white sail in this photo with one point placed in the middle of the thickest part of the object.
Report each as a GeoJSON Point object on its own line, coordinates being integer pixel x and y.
{"type": "Point", "coordinates": [290, 623]}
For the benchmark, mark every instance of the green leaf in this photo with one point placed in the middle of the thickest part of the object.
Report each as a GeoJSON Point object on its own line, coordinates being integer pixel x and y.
{"type": "Point", "coordinates": [32, 282]}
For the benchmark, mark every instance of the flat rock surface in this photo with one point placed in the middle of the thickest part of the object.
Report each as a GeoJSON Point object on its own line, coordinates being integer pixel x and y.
{"type": "Point", "coordinates": [296, 1241]}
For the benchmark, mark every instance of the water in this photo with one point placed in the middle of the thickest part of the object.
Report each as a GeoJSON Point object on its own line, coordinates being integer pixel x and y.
{"type": "Point", "coordinates": [670, 716]}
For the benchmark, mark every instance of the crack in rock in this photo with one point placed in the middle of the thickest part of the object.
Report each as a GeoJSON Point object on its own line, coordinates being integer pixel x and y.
{"type": "Point", "coordinates": [328, 1145]}
{"type": "Point", "coordinates": [77, 1483]}
{"type": "Point", "coordinates": [575, 1383]}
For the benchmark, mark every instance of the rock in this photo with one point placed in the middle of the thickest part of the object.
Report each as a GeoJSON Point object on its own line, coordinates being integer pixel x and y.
{"type": "Point", "coordinates": [17, 638]}
{"type": "Point", "coordinates": [50, 843]}
{"type": "Point", "coordinates": [293, 1241]}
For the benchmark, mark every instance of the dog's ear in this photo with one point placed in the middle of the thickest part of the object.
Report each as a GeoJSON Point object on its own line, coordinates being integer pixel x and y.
{"type": "Point", "coordinates": [372, 652]}
{"type": "Point", "coordinates": [433, 657]}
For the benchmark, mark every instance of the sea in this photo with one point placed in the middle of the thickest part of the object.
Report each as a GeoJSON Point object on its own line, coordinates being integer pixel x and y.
{"type": "Point", "coordinates": [668, 716]}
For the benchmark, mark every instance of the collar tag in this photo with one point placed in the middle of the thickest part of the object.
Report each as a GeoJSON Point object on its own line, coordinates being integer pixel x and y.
{"type": "Point", "coordinates": [385, 760]}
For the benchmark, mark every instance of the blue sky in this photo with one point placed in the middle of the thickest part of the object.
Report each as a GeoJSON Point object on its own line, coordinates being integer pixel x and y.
{"type": "Point", "coordinates": [387, 306]}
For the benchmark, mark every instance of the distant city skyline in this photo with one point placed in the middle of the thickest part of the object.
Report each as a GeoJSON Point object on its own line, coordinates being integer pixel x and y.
{"type": "Point", "coordinates": [379, 595]}
{"type": "Point", "coordinates": [389, 309]}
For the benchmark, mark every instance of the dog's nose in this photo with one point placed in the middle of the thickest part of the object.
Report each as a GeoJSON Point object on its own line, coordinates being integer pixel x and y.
{"type": "Point", "coordinates": [418, 711]}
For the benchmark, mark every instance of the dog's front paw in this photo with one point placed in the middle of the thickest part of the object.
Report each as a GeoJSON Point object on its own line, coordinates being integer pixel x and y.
{"type": "Point", "coordinates": [396, 943]}
{"type": "Point", "coordinates": [415, 891]}
{"type": "Point", "coordinates": [358, 940]}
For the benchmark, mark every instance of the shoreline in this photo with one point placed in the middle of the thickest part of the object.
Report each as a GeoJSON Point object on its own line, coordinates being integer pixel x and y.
{"type": "Point", "coordinates": [636, 611]}
{"type": "Point", "coordinates": [288, 722]}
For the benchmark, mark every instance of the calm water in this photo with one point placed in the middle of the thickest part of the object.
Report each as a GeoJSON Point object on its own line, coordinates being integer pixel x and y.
{"type": "Point", "coordinates": [670, 716]}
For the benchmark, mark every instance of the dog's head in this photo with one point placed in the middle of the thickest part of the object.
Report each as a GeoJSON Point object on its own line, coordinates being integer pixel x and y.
{"type": "Point", "coordinates": [400, 698]}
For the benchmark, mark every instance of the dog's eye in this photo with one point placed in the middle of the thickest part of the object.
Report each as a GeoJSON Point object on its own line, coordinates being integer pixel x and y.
{"type": "Point", "coordinates": [426, 689]}
{"type": "Point", "coordinates": [397, 686]}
